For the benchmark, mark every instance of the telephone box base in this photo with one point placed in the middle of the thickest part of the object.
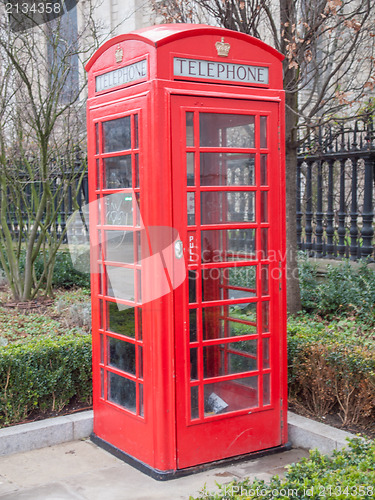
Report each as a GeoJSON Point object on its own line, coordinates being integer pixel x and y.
{"type": "Point", "coordinates": [160, 475]}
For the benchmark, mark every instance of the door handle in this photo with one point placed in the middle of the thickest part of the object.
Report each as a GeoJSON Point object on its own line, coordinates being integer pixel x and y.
{"type": "Point", "coordinates": [178, 249]}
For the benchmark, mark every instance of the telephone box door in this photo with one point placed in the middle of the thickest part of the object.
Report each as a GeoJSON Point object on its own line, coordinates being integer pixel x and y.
{"type": "Point", "coordinates": [229, 328]}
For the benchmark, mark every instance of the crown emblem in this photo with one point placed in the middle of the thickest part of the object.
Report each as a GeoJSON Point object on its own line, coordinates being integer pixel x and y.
{"type": "Point", "coordinates": [222, 48]}
{"type": "Point", "coordinates": [119, 54]}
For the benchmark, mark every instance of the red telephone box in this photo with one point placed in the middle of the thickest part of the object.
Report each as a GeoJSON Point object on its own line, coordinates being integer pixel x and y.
{"type": "Point", "coordinates": [187, 222]}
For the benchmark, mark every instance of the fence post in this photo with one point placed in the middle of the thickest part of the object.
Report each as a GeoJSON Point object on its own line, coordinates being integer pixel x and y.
{"type": "Point", "coordinates": [298, 207]}
{"type": "Point", "coordinates": [319, 212]}
{"type": "Point", "coordinates": [367, 232]}
{"type": "Point", "coordinates": [341, 231]}
{"type": "Point", "coordinates": [309, 213]}
{"type": "Point", "coordinates": [354, 214]}
{"type": "Point", "coordinates": [330, 230]}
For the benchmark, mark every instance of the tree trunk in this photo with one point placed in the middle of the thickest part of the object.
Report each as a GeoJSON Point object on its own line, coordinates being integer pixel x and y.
{"type": "Point", "coordinates": [288, 20]}
{"type": "Point", "coordinates": [293, 288]}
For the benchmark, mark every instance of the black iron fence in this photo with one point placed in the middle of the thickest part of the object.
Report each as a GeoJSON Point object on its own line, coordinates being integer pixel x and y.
{"type": "Point", "coordinates": [67, 199]}
{"type": "Point", "coordinates": [335, 191]}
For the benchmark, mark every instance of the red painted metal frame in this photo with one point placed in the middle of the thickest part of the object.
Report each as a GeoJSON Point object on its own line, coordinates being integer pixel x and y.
{"type": "Point", "coordinates": [164, 437]}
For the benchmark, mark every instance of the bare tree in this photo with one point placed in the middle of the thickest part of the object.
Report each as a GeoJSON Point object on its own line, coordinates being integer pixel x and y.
{"type": "Point", "coordinates": [42, 130]}
{"type": "Point", "coordinates": [328, 68]}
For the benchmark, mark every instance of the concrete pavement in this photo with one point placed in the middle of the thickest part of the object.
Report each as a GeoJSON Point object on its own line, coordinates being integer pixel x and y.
{"type": "Point", "coordinates": [54, 460]}
{"type": "Point", "coordinates": [82, 471]}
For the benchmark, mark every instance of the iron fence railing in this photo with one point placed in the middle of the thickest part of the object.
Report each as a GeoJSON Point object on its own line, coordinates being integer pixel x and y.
{"type": "Point", "coordinates": [73, 196]}
{"type": "Point", "coordinates": [335, 191]}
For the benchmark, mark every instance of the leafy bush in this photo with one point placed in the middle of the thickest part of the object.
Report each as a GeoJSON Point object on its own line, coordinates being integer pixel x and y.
{"type": "Point", "coordinates": [332, 366]}
{"type": "Point", "coordinates": [43, 374]}
{"type": "Point", "coordinates": [65, 275]}
{"type": "Point", "coordinates": [349, 473]}
{"type": "Point", "coordinates": [344, 290]}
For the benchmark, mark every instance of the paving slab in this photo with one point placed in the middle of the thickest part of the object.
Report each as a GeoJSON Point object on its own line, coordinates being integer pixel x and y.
{"type": "Point", "coordinates": [79, 470]}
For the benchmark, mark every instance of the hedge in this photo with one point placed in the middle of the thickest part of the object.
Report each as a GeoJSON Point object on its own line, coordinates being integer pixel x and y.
{"type": "Point", "coordinates": [331, 367]}
{"type": "Point", "coordinates": [44, 374]}
{"type": "Point", "coordinates": [349, 473]}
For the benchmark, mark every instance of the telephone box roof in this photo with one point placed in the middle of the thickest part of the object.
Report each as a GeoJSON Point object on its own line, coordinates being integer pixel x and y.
{"type": "Point", "coordinates": [163, 34]}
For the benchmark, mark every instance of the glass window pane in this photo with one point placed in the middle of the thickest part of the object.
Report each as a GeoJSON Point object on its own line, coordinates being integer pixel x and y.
{"type": "Point", "coordinates": [139, 246]}
{"type": "Point", "coordinates": [97, 175]}
{"type": "Point", "coordinates": [190, 170]}
{"type": "Point", "coordinates": [136, 170]}
{"type": "Point", "coordinates": [263, 131]}
{"type": "Point", "coordinates": [102, 382]}
{"type": "Point", "coordinates": [101, 314]}
{"type": "Point", "coordinates": [229, 321]}
{"type": "Point", "coordinates": [139, 286]}
{"type": "Point", "coordinates": [120, 283]}
{"type": "Point", "coordinates": [122, 391]}
{"type": "Point", "coordinates": [189, 129]}
{"type": "Point", "coordinates": [193, 325]}
{"type": "Point", "coordinates": [140, 361]}
{"type": "Point", "coordinates": [192, 286]}
{"type": "Point", "coordinates": [266, 353]}
{"type": "Point", "coordinates": [119, 246]}
{"type": "Point", "coordinates": [193, 363]}
{"type": "Point", "coordinates": [118, 209]}
{"type": "Point", "coordinates": [136, 132]}
{"type": "Point", "coordinates": [100, 279]}
{"type": "Point", "coordinates": [227, 169]}
{"type": "Point", "coordinates": [121, 355]}
{"type": "Point", "coordinates": [140, 327]}
{"type": "Point", "coordinates": [141, 400]}
{"type": "Point", "coordinates": [121, 320]}
{"type": "Point", "coordinates": [228, 245]}
{"type": "Point", "coordinates": [194, 402]}
{"type": "Point", "coordinates": [190, 208]}
{"type": "Point", "coordinates": [230, 358]}
{"type": "Point", "coordinates": [265, 317]}
{"type": "Point", "coordinates": [264, 206]}
{"type": "Point", "coordinates": [97, 138]}
{"type": "Point", "coordinates": [242, 356]}
{"type": "Point", "coordinates": [99, 208]}
{"type": "Point", "coordinates": [116, 135]}
{"type": "Point", "coordinates": [264, 243]}
{"type": "Point", "coordinates": [118, 172]}
{"type": "Point", "coordinates": [240, 322]}
{"type": "Point", "coordinates": [226, 130]}
{"type": "Point", "coordinates": [229, 283]}
{"type": "Point", "coordinates": [102, 348]}
{"type": "Point", "coordinates": [263, 170]}
{"type": "Point", "coordinates": [137, 221]}
{"type": "Point", "coordinates": [267, 389]}
{"type": "Point", "coordinates": [226, 207]}
{"type": "Point", "coordinates": [230, 395]}
{"type": "Point", "coordinates": [264, 279]}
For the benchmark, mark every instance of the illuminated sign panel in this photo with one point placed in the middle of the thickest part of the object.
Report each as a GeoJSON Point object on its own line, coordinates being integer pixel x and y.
{"type": "Point", "coordinates": [128, 74]}
{"type": "Point", "coordinates": [214, 70]}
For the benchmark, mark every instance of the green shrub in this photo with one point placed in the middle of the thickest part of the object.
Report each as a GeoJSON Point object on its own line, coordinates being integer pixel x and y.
{"type": "Point", "coordinates": [331, 365]}
{"type": "Point", "coordinates": [344, 290]}
{"type": "Point", "coordinates": [349, 473]}
{"type": "Point", "coordinates": [43, 374]}
{"type": "Point", "coordinates": [65, 275]}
